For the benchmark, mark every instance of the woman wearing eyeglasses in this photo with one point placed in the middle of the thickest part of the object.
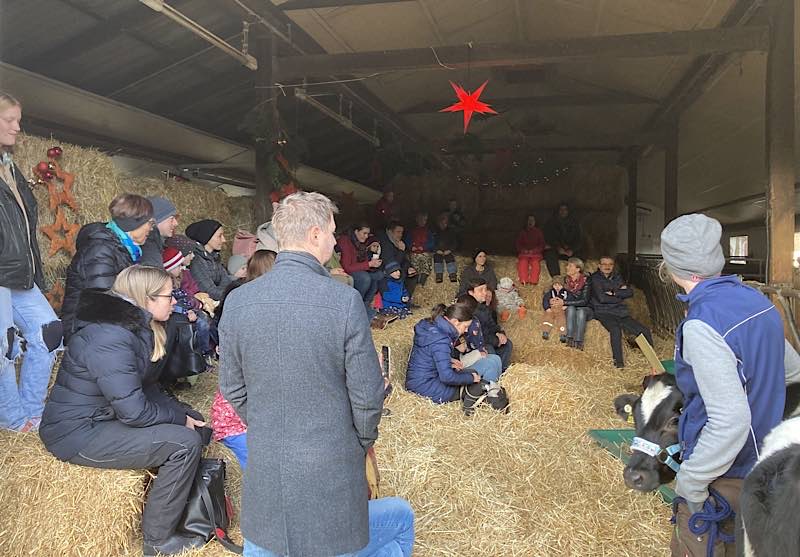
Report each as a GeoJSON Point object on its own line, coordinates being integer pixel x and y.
{"type": "Point", "coordinates": [106, 248]}
{"type": "Point", "coordinates": [106, 409]}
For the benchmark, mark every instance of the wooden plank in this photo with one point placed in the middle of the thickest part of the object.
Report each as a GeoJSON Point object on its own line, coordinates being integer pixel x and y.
{"type": "Point", "coordinates": [538, 101]}
{"type": "Point", "coordinates": [671, 175]}
{"type": "Point", "coordinates": [314, 4]}
{"type": "Point", "coordinates": [582, 49]}
{"type": "Point", "coordinates": [633, 179]}
{"type": "Point", "coordinates": [780, 137]}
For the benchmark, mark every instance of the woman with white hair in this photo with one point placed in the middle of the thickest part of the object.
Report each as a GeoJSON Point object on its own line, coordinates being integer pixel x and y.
{"type": "Point", "coordinates": [106, 409]}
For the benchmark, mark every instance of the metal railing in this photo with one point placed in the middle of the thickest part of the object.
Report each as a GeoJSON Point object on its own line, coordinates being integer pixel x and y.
{"type": "Point", "coordinates": [667, 312]}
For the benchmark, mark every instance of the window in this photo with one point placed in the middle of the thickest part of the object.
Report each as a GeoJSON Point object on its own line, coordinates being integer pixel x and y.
{"type": "Point", "coordinates": [738, 245]}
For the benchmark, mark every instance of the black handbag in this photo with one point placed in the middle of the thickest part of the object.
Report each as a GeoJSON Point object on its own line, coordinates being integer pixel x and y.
{"type": "Point", "coordinates": [209, 510]}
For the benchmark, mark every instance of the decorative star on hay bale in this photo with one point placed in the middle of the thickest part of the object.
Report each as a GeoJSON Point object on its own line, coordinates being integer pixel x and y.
{"type": "Point", "coordinates": [56, 295]}
{"type": "Point", "coordinates": [469, 103]}
{"type": "Point", "coordinates": [64, 196]}
{"type": "Point", "coordinates": [58, 241]}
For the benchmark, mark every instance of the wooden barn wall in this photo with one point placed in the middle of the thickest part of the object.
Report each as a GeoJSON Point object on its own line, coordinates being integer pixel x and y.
{"type": "Point", "coordinates": [496, 214]}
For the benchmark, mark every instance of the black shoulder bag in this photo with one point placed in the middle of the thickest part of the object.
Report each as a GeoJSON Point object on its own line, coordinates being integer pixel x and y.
{"type": "Point", "coordinates": [208, 510]}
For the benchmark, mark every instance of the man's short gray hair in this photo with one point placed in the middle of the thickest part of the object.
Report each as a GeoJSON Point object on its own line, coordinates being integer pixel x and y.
{"type": "Point", "coordinates": [296, 214]}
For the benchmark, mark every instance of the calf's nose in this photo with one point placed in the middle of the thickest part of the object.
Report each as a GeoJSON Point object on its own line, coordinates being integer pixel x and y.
{"type": "Point", "coordinates": [633, 478]}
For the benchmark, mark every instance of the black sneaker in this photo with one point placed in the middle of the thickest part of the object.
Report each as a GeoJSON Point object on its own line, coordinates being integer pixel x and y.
{"type": "Point", "coordinates": [439, 277]}
{"type": "Point", "coordinates": [562, 338]}
{"type": "Point", "coordinates": [545, 335]}
{"type": "Point", "coordinates": [176, 543]}
{"type": "Point", "coordinates": [453, 277]}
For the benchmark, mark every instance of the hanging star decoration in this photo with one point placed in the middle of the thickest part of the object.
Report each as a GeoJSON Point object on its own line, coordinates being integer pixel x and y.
{"type": "Point", "coordinates": [469, 103]}
{"type": "Point", "coordinates": [65, 195]}
{"type": "Point", "coordinates": [57, 241]}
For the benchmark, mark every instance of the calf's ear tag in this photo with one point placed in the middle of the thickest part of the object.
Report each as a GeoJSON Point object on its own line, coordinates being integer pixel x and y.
{"type": "Point", "coordinates": [629, 411]}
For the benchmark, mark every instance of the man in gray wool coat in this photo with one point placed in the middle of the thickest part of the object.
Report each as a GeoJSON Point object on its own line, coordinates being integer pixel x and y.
{"type": "Point", "coordinates": [298, 364]}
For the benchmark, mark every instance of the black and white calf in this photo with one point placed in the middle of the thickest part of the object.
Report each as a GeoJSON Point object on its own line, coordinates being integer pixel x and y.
{"type": "Point", "coordinates": [770, 500]}
{"type": "Point", "coordinates": [655, 413]}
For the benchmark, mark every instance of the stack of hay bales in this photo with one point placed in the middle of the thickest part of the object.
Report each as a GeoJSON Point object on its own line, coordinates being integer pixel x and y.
{"type": "Point", "coordinates": [97, 182]}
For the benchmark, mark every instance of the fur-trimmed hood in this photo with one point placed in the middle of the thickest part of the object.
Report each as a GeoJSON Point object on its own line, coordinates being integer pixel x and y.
{"type": "Point", "coordinates": [104, 307]}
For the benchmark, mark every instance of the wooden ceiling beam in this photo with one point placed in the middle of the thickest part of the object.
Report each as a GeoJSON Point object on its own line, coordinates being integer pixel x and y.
{"type": "Point", "coordinates": [534, 102]}
{"type": "Point", "coordinates": [582, 49]}
{"type": "Point", "coordinates": [314, 4]}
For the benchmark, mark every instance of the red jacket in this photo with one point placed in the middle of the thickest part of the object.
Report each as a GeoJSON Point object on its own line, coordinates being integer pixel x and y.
{"type": "Point", "coordinates": [350, 262]}
{"type": "Point", "coordinates": [530, 241]}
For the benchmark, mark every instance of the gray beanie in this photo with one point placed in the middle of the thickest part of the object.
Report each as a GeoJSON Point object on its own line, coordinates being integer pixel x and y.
{"type": "Point", "coordinates": [236, 262]}
{"type": "Point", "coordinates": [690, 246]}
{"type": "Point", "coordinates": [163, 208]}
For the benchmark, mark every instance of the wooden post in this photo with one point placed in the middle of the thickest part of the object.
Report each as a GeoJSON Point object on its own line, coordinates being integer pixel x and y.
{"type": "Point", "coordinates": [265, 51]}
{"type": "Point", "coordinates": [671, 173]}
{"type": "Point", "coordinates": [780, 118]}
{"type": "Point", "coordinates": [633, 175]}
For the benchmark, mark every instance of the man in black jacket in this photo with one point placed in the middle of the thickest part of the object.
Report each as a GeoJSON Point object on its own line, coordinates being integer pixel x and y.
{"type": "Point", "coordinates": [494, 337]}
{"type": "Point", "coordinates": [394, 249]}
{"type": "Point", "coordinates": [562, 236]}
{"type": "Point", "coordinates": [24, 311]}
{"type": "Point", "coordinates": [165, 215]}
{"type": "Point", "coordinates": [608, 296]}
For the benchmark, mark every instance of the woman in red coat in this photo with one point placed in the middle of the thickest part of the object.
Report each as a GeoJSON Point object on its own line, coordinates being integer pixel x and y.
{"type": "Point", "coordinates": [530, 245]}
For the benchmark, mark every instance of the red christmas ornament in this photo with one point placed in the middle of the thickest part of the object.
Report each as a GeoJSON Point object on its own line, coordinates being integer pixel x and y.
{"type": "Point", "coordinates": [42, 167]}
{"type": "Point", "coordinates": [47, 175]}
{"type": "Point", "coordinates": [469, 103]}
{"type": "Point", "coordinates": [54, 152]}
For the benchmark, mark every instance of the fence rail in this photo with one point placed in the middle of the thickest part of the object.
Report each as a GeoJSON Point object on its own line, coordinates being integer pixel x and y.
{"type": "Point", "coordinates": [667, 312]}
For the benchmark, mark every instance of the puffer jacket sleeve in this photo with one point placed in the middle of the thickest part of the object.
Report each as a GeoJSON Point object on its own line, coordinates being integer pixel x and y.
{"type": "Point", "coordinates": [207, 273]}
{"type": "Point", "coordinates": [444, 367]}
{"type": "Point", "coordinates": [362, 373]}
{"type": "Point", "coordinates": [99, 266]}
{"type": "Point", "coordinates": [114, 364]}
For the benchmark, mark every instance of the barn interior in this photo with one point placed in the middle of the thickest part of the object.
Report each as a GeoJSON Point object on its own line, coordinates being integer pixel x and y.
{"type": "Point", "coordinates": [632, 111]}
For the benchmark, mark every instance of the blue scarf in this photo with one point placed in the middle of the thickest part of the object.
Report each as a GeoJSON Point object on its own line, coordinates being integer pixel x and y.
{"type": "Point", "coordinates": [134, 250]}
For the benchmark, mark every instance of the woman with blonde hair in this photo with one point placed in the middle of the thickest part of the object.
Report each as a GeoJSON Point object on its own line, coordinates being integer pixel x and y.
{"type": "Point", "coordinates": [106, 409]}
{"type": "Point", "coordinates": [24, 311]}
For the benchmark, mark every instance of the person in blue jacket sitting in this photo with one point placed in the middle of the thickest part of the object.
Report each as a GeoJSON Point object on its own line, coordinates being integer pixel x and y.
{"type": "Point", "coordinates": [432, 371]}
{"type": "Point", "coordinates": [395, 295]}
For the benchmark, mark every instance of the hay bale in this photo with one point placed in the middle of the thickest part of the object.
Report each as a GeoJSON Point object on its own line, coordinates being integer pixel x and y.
{"type": "Point", "coordinates": [49, 507]}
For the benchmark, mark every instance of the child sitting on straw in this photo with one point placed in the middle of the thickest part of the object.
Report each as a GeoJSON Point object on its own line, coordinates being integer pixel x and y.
{"type": "Point", "coordinates": [185, 304]}
{"type": "Point", "coordinates": [394, 293]}
{"type": "Point", "coordinates": [554, 310]}
{"type": "Point", "coordinates": [508, 299]}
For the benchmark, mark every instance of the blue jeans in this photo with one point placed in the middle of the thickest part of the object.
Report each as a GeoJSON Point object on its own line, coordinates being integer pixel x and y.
{"type": "Point", "coordinates": [367, 283]}
{"type": "Point", "coordinates": [202, 330]}
{"type": "Point", "coordinates": [391, 532]}
{"type": "Point", "coordinates": [489, 367]}
{"type": "Point", "coordinates": [25, 313]}
{"type": "Point", "coordinates": [237, 444]}
{"type": "Point", "coordinates": [503, 351]}
{"type": "Point", "coordinates": [577, 316]}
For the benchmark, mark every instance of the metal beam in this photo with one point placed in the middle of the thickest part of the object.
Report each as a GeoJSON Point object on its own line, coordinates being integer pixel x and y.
{"type": "Point", "coordinates": [583, 142]}
{"type": "Point", "coordinates": [520, 21]}
{"type": "Point", "coordinates": [538, 102]}
{"type": "Point", "coordinates": [431, 20]}
{"type": "Point", "coordinates": [612, 47]}
{"type": "Point", "coordinates": [314, 4]}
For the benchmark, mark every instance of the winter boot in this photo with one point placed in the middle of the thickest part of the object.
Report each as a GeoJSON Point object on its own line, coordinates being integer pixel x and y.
{"type": "Point", "coordinates": [438, 278]}
{"type": "Point", "coordinates": [423, 278]}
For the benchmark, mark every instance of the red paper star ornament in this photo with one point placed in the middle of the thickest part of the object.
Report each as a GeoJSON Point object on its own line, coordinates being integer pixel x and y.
{"type": "Point", "coordinates": [56, 295]}
{"type": "Point", "coordinates": [57, 241]}
{"type": "Point", "coordinates": [469, 103]}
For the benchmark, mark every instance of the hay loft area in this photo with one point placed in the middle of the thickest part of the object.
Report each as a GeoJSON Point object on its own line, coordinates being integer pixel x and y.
{"type": "Point", "coordinates": [631, 111]}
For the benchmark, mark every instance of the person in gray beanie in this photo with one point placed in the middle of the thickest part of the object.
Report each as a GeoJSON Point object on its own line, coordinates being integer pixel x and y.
{"type": "Point", "coordinates": [166, 217]}
{"type": "Point", "coordinates": [729, 365]}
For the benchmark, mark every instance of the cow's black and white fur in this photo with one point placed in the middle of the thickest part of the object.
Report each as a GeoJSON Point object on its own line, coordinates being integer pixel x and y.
{"type": "Point", "coordinates": [770, 500]}
{"type": "Point", "coordinates": [655, 414]}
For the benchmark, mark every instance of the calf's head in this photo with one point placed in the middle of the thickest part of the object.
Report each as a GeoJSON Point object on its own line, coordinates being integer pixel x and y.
{"type": "Point", "coordinates": [655, 415]}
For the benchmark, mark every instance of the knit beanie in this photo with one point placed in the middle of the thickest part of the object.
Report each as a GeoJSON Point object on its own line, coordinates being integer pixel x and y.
{"type": "Point", "coordinates": [202, 230]}
{"type": "Point", "coordinates": [163, 208]}
{"type": "Point", "coordinates": [180, 243]}
{"type": "Point", "coordinates": [172, 258]}
{"type": "Point", "coordinates": [690, 246]}
{"type": "Point", "coordinates": [235, 263]}
{"type": "Point", "coordinates": [391, 267]}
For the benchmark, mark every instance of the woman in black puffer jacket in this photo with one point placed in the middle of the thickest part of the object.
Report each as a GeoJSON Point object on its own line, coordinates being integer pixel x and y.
{"type": "Point", "coordinates": [106, 409]}
{"type": "Point", "coordinates": [105, 249]}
